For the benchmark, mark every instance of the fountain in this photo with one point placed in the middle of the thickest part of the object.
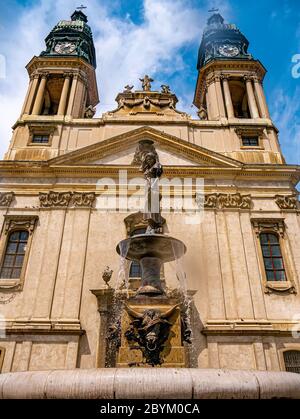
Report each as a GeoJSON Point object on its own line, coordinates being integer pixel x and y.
{"type": "Point", "coordinates": [152, 324]}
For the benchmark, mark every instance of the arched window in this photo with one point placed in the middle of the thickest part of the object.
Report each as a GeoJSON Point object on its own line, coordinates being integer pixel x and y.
{"type": "Point", "coordinates": [13, 259]}
{"type": "Point", "coordinates": [292, 361]}
{"type": "Point", "coordinates": [273, 261]}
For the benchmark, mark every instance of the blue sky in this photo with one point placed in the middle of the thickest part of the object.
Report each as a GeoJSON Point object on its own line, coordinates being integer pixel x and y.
{"type": "Point", "coordinates": [161, 38]}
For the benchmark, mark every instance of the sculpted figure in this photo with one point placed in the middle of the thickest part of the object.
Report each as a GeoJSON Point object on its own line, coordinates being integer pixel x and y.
{"type": "Point", "coordinates": [150, 330]}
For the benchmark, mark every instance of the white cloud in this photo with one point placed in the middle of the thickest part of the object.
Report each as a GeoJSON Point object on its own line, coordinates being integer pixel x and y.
{"type": "Point", "coordinates": [285, 111]}
{"type": "Point", "coordinates": [125, 50]}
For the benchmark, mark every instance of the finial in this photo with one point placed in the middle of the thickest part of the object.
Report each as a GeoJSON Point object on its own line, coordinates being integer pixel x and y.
{"type": "Point", "coordinates": [165, 89]}
{"type": "Point", "coordinates": [81, 7]}
{"type": "Point", "coordinates": [213, 10]}
{"type": "Point", "coordinates": [79, 15]}
{"type": "Point", "coordinates": [128, 88]}
{"type": "Point", "coordinates": [106, 275]}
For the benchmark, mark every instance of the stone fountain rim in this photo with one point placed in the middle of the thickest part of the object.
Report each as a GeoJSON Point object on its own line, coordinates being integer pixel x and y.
{"type": "Point", "coordinates": [155, 236]}
{"type": "Point", "coordinates": [149, 383]}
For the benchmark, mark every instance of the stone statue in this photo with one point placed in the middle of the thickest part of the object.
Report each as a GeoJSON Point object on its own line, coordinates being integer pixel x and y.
{"type": "Point", "coordinates": [89, 112]}
{"type": "Point", "coordinates": [147, 157]}
{"type": "Point", "coordinates": [202, 113]}
{"type": "Point", "coordinates": [165, 89]}
{"type": "Point", "coordinates": [150, 330]}
{"type": "Point", "coordinates": [106, 275]}
{"type": "Point", "coordinates": [146, 83]}
{"type": "Point", "coordinates": [127, 89]}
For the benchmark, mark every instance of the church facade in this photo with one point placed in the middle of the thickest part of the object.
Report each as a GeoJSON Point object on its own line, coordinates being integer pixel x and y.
{"type": "Point", "coordinates": [60, 179]}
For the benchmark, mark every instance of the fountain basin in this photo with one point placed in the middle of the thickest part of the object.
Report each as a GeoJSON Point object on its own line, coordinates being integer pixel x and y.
{"type": "Point", "coordinates": [149, 383]}
{"type": "Point", "coordinates": [159, 246]}
{"type": "Point", "coordinates": [151, 251]}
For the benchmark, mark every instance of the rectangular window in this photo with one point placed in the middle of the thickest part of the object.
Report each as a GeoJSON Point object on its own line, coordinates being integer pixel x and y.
{"type": "Point", "coordinates": [14, 255]}
{"type": "Point", "coordinates": [250, 141]}
{"type": "Point", "coordinates": [40, 139]}
{"type": "Point", "coordinates": [273, 260]}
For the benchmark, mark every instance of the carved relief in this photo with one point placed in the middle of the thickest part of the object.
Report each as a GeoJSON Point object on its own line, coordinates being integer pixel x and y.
{"type": "Point", "coordinates": [7, 298]}
{"type": "Point", "coordinates": [261, 225]}
{"type": "Point", "coordinates": [20, 222]}
{"type": "Point", "coordinates": [149, 331]}
{"type": "Point", "coordinates": [221, 201]}
{"type": "Point", "coordinates": [6, 198]}
{"type": "Point", "coordinates": [55, 199]}
{"type": "Point", "coordinates": [287, 202]}
{"type": "Point", "coordinates": [133, 102]}
{"type": "Point", "coordinates": [83, 199]}
{"type": "Point", "coordinates": [65, 199]}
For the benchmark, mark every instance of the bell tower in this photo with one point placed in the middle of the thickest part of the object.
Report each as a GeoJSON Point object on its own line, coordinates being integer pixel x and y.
{"type": "Point", "coordinates": [62, 91]}
{"type": "Point", "coordinates": [62, 78]}
{"type": "Point", "coordinates": [229, 84]}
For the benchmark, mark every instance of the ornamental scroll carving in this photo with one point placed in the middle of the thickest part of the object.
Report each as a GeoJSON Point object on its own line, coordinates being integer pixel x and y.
{"type": "Point", "coordinates": [55, 199]}
{"type": "Point", "coordinates": [221, 201]}
{"type": "Point", "coordinates": [66, 199]}
{"type": "Point", "coordinates": [20, 222]}
{"type": "Point", "coordinates": [83, 199]}
{"type": "Point", "coordinates": [287, 202]}
{"type": "Point", "coordinates": [6, 198]}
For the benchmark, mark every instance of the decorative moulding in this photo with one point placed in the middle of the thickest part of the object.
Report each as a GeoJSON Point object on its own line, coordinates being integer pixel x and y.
{"type": "Point", "coordinates": [17, 222]}
{"type": "Point", "coordinates": [65, 199]}
{"type": "Point", "coordinates": [287, 202]}
{"type": "Point", "coordinates": [223, 201]}
{"type": "Point", "coordinates": [6, 198]}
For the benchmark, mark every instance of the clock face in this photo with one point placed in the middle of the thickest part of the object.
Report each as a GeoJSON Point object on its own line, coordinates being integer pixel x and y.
{"type": "Point", "coordinates": [229, 50]}
{"type": "Point", "coordinates": [65, 47]}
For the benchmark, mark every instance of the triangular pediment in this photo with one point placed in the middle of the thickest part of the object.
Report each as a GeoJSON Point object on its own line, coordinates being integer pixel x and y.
{"type": "Point", "coordinates": [119, 151]}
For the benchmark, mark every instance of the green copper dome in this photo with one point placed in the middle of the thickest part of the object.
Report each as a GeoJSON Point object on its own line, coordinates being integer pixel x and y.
{"type": "Point", "coordinates": [72, 38]}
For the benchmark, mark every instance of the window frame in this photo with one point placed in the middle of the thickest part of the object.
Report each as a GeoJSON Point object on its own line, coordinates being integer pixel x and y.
{"type": "Point", "coordinates": [11, 224]}
{"type": "Point", "coordinates": [277, 227]}
{"type": "Point", "coordinates": [2, 353]}
{"type": "Point", "coordinates": [15, 254]}
{"type": "Point", "coordinates": [250, 138]}
{"type": "Point", "coordinates": [272, 257]}
{"type": "Point", "coordinates": [42, 130]}
{"type": "Point", "coordinates": [42, 136]}
{"type": "Point", "coordinates": [242, 132]}
{"type": "Point", "coordinates": [288, 347]}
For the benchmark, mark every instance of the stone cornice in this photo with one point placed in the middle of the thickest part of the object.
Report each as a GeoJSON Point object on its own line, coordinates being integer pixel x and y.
{"type": "Point", "coordinates": [254, 67]}
{"type": "Point", "coordinates": [59, 65]}
{"type": "Point", "coordinates": [169, 142]}
{"type": "Point", "coordinates": [42, 169]}
{"type": "Point", "coordinates": [249, 327]}
{"type": "Point", "coordinates": [130, 121]}
{"type": "Point", "coordinates": [43, 327]}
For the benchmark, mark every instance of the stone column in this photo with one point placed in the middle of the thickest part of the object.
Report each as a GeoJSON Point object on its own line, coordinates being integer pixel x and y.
{"type": "Point", "coordinates": [72, 94]}
{"type": "Point", "coordinates": [228, 99]}
{"type": "Point", "coordinates": [251, 98]}
{"type": "Point", "coordinates": [37, 108]}
{"type": "Point", "coordinates": [30, 95]}
{"type": "Point", "coordinates": [64, 95]}
{"type": "Point", "coordinates": [213, 99]}
{"type": "Point", "coordinates": [104, 300]}
{"type": "Point", "coordinates": [261, 99]}
{"type": "Point", "coordinates": [221, 105]}
{"type": "Point", "coordinates": [208, 105]}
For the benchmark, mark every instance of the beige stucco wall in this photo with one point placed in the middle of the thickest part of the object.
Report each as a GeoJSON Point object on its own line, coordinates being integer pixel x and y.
{"type": "Point", "coordinates": [71, 247]}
